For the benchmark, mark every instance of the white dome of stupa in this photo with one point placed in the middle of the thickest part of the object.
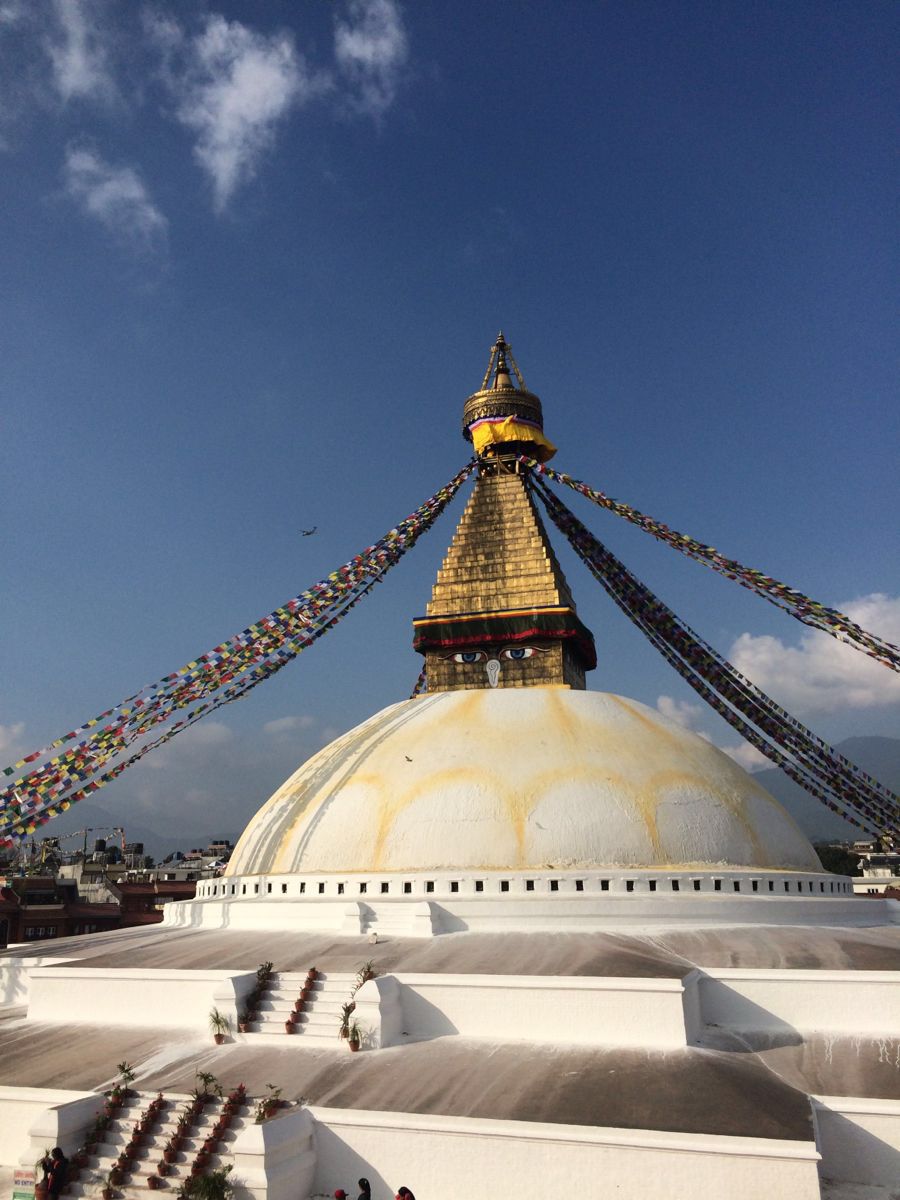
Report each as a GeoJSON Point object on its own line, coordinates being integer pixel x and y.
{"type": "Point", "coordinates": [516, 779]}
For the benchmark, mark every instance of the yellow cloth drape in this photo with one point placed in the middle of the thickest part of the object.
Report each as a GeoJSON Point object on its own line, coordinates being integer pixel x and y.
{"type": "Point", "coordinates": [495, 433]}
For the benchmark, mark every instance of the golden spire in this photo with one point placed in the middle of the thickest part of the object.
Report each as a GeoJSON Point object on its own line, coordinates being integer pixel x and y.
{"type": "Point", "coordinates": [501, 613]}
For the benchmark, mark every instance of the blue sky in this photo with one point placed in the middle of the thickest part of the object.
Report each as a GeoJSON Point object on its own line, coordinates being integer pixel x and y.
{"type": "Point", "coordinates": [253, 258]}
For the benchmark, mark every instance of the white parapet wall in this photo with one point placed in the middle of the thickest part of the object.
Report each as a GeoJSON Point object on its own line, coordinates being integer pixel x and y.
{"type": "Point", "coordinates": [540, 1008]}
{"type": "Point", "coordinates": [457, 1158]}
{"type": "Point", "coordinates": [275, 1160]}
{"type": "Point", "coordinates": [838, 1002]}
{"type": "Point", "coordinates": [36, 1119]}
{"type": "Point", "coordinates": [859, 1139]}
{"type": "Point", "coordinates": [15, 976]}
{"type": "Point", "coordinates": [164, 998]}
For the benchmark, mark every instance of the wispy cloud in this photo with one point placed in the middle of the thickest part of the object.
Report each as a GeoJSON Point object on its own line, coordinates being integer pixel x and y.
{"type": "Point", "coordinates": [12, 12]}
{"type": "Point", "coordinates": [232, 87]}
{"type": "Point", "coordinates": [78, 51]}
{"type": "Point", "coordinates": [282, 725]}
{"type": "Point", "coordinates": [821, 674]}
{"type": "Point", "coordinates": [688, 716]}
{"type": "Point", "coordinates": [11, 744]}
{"type": "Point", "coordinates": [747, 756]}
{"type": "Point", "coordinates": [371, 49]}
{"type": "Point", "coordinates": [116, 196]}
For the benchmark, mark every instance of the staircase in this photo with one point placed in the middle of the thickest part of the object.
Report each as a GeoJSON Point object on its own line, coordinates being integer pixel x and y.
{"type": "Point", "coordinates": [321, 1018]}
{"type": "Point", "coordinates": [92, 1178]}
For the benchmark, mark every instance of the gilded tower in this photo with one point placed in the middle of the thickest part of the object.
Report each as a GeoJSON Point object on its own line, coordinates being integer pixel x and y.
{"type": "Point", "coordinates": [501, 613]}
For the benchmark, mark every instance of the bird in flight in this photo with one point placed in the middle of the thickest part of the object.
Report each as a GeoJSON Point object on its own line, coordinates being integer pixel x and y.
{"type": "Point", "coordinates": [309, 532]}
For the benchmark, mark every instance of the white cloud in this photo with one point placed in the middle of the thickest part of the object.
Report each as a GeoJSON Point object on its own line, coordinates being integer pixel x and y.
{"type": "Point", "coordinates": [11, 12]}
{"type": "Point", "coordinates": [206, 733]}
{"type": "Point", "coordinates": [687, 715]}
{"type": "Point", "coordinates": [11, 741]}
{"type": "Point", "coordinates": [116, 197]}
{"type": "Point", "coordinates": [371, 50]}
{"type": "Point", "coordinates": [288, 724]}
{"type": "Point", "coordinates": [232, 86]}
{"type": "Point", "coordinates": [78, 52]}
{"type": "Point", "coordinates": [821, 674]}
{"type": "Point", "coordinates": [747, 756]}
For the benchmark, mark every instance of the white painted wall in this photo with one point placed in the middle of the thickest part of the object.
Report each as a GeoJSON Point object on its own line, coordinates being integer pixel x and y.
{"type": "Point", "coordinates": [578, 1009]}
{"type": "Point", "coordinates": [275, 1160]}
{"type": "Point", "coordinates": [859, 1139]}
{"type": "Point", "coordinates": [15, 976]}
{"type": "Point", "coordinates": [458, 1158]}
{"type": "Point", "coordinates": [163, 998]}
{"type": "Point", "coordinates": [22, 1109]}
{"type": "Point", "coordinates": [842, 1002]}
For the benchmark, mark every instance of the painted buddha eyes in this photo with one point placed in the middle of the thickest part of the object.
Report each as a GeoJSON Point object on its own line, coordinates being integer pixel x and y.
{"type": "Point", "coordinates": [516, 653]}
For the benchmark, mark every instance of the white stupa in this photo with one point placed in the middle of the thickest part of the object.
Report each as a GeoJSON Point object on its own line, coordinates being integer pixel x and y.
{"type": "Point", "coordinates": [606, 959]}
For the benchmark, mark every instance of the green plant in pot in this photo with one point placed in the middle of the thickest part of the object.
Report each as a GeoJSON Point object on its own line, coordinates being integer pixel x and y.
{"type": "Point", "coordinates": [126, 1076]}
{"type": "Point", "coordinates": [219, 1025]}
{"type": "Point", "coordinates": [215, 1185]}
{"type": "Point", "coordinates": [354, 1036]}
{"type": "Point", "coordinates": [364, 973]}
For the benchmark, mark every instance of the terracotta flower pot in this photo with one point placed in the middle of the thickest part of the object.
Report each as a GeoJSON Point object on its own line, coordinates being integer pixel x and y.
{"type": "Point", "coordinates": [218, 1038]}
{"type": "Point", "coordinates": [169, 1156]}
{"type": "Point", "coordinates": [298, 1005]}
{"type": "Point", "coordinates": [243, 1026]}
{"type": "Point", "coordinates": [354, 1046]}
{"type": "Point", "coordinates": [289, 1027]}
{"type": "Point", "coordinates": [108, 1193]}
{"type": "Point", "coordinates": [162, 1167]}
{"type": "Point", "coordinates": [153, 1182]}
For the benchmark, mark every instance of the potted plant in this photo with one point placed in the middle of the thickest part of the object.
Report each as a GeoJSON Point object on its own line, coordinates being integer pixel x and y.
{"type": "Point", "coordinates": [354, 1036]}
{"type": "Point", "coordinates": [152, 1182]}
{"type": "Point", "coordinates": [171, 1148]}
{"type": "Point", "coordinates": [312, 975]}
{"type": "Point", "coordinates": [214, 1186]}
{"type": "Point", "coordinates": [111, 1183]}
{"type": "Point", "coordinates": [346, 1012]}
{"type": "Point", "coordinates": [244, 1020]}
{"type": "Point", "coordinates": [126, 1076]}
{"type": "Point", "coordinates": [219, 1025]}
{"type": "Point", "coordinates": [364, 974]}
{"type": "Point", "coordinates": [162, 1167]}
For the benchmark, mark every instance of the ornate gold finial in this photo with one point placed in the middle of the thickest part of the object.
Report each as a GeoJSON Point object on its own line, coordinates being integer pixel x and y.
{"type": "Point", "coordinates": [503, 412]}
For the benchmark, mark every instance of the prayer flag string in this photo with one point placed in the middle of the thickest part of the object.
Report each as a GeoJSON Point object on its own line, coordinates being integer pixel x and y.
{"type": "Point", "coordinates": [226, 673]}
{"type": "Point", "coordinates": [831, 778]}
{"type": "Point", "coordinates": [801, 607]}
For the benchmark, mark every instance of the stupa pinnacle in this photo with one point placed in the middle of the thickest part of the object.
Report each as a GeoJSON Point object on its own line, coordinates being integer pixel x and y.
{"type": "Point", "coordinates": [501, 612]}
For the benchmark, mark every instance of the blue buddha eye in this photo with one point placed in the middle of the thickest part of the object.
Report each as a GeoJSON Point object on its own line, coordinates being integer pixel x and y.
{"type": "Point", "coordinates": [469, 656]}
{"type": "Point", "coordinates": [518, 652]}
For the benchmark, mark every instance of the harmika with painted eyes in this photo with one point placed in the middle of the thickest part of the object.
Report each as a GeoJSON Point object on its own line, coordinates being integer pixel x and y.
{"type": "Point", "coordinates": [492, 658]}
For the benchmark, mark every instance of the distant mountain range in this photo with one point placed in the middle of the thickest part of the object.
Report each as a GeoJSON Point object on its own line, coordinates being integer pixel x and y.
{"type": "Point", "coordinates": [879, 756]}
